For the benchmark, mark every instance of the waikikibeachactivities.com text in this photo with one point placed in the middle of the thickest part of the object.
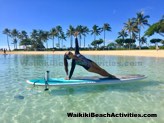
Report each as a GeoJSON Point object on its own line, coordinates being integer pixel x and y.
{"type": "Point", "coordinates": [92, 114]}
{"type": "Point", "coordinates": [60, 63]}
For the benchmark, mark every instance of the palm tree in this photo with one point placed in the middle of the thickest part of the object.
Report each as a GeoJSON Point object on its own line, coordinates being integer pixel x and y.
{"type": "Point", "coordinates": [95, 31]}
{"type": "Point", "coordinates": [85, 31]}
{"type": "Point", "coordinates": [59, 31]}
{"type": "Point", "coordinates": [15, 34]}
{"type": "Point", "coordinates": [62, 37]}
{"type": "Point", "coordinates": [131, 27]}
{"type": "Point", "coordinates": [79, 29]}
{"type": "Point", "coordinates": [141, 21]}
{"type": "Point", "coordinates": [7, 32]}
{"type": "Point", "coordinates": [22, 35]}
{"type": "Point", "coordinates": [43, 35]}
{"type": "Point", "coordinates": [122, 34]}
{"type": "Point", "coordinates": [70, 33]}
{"type": "Point", "coordinates": [143, 40]}
{"type": "Point", "coordinates": [106, 27]}
{"type": "Point", "coordinates": [34, 38]}
{"type": "Point", "coordinates": [53, 34]}
{"type": "Point", "coordinates": [34, 34]}
{"type": "Point", "coordinates": [25, 42]}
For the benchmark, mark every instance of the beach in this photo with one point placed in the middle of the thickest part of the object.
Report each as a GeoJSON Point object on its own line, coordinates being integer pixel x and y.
{"type": "Point", "coordinates": [143, 53]}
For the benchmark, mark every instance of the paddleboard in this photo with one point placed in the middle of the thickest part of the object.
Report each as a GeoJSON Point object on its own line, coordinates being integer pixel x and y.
{"type": "Point", "coordinates": [86, 80]}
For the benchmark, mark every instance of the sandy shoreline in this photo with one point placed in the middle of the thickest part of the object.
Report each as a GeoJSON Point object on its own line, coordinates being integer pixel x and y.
{"type": "Point", "coordinates": [144, 53]}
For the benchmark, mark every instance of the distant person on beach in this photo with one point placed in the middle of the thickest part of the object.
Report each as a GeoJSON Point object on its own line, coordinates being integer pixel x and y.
{"type": "Point", "coordinates": [53, 50]}
{"type": "Point", "coordinates": [4, 51]}
{"type": "Point", "coordinates": [157, 47]}
{"type": "Point", "coordinates": [78, 59]}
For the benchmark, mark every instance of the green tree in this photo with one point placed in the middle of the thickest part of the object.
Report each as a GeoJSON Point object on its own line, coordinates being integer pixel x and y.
{"type": "Point", "coordinates": [120, 42]}
{"type": "Point", "coordinates": [59, 31]}
{"type": "Point", "coordinates": [97, 43]}
{"type": "Point", "coordinates": [14, 35]}
{"type": "Point", "coordinates": [62, 37]}
{"type": "Point", "coordinates": [132, 28]}
{"type": "Point", "coordinates": [25, 42]}
{"type": "Point", "coordinates": [85, 32]}
{"type": "Point", "coordinates": [141, 21]}
{"type": "Point", "coordinates": [143, 40]}
{"type": "Point", "coordinates": [43, 37]}
{"type": "Point", "coordinates": [111, 45]}
{"type": "Point", "coordinates": [36, 41]}
{"type": "Point", "coordinates": [122, 34]}
{"type": "Point", "coordinates": [129, 41]}
{"type": "Point", "coordinates": [79, 29]}
{"type": "Point", "coordinates": [53, 34]}
{"type": "Point", "coordinates": [155, 41]}
{"type": "Point", "coordinates": [6, 31]}
{"type": "Point", "coordinates": [157, 27]}
{"type": "Point", "coordinates": [70, 33]}
{"type": "Point", "coordinates": [96, 31]}
{"type": "Point", "coordinates": [22, 36]}
{"type": "Point", "coordinates": [106, 27]}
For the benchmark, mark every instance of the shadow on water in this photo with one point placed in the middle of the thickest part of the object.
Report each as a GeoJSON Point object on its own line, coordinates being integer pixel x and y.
{"type": "Point", "coordinates": [126, 87]}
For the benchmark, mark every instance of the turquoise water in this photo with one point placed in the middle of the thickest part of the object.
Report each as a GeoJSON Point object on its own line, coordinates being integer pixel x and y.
{"type": "Point", "coordinates": [23, 103]}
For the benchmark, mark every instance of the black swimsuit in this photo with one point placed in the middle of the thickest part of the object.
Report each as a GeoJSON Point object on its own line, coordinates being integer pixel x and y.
{"type": "Point", "coordinates": [82, 61]}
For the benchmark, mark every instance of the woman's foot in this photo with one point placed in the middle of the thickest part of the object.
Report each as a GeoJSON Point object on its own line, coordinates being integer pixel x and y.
{"type": "Point", "coordinates": [112, 77]}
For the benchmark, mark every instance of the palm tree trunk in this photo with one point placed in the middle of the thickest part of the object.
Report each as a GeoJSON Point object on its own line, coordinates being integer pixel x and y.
{"type": "Point", "coordinates": [8, 43]}
{"type": "Point", "coordinates": [53, 42]}
{"type": "Point", "coordinates": [59, 42]}
{"type": "Point", "coordinates": [84, 41]}
{"type": "Point", "coordinates": [80, 41]}
{"type": "Point", "coordinates": [131, 39]}
{"type": "Point", "coordinates": [104, 38]}
{"type": "Point", "coordinates": [123, 41]}
{"type": "Point", "coordinates": [62, 44]}
{"type": "Point", "coordinates": [71, 42]}
{"type": "Point", "coordinates": [94, 37]}
{"type": "Point", "coordinates": [16, 43]}
{"type": "Point", "coordinates": [139, 38]}
{"type": "Point", "coordinates": [47, 44]}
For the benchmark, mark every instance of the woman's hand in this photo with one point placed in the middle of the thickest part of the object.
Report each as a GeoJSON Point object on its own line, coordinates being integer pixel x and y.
{"type": "Point", "coordinates": [67, 78]}
{"type": "Point", "coordinates": [76, 34]}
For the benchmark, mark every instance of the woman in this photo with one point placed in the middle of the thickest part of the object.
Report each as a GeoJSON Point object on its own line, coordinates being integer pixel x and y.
{"type": "Point", "coordinates": [78, 59]}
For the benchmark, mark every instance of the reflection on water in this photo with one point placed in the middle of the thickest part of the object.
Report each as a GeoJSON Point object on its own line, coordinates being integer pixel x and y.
{"type": "Point", "coordinates": [21, 102]}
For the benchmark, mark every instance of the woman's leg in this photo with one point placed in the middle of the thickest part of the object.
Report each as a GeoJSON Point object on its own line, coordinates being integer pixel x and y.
{"type": "Point", "coordinates": [96, 69]}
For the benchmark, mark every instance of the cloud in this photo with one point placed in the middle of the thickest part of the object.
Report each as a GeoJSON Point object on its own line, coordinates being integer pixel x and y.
{"type": "Point", "coordinates": [109, 41]}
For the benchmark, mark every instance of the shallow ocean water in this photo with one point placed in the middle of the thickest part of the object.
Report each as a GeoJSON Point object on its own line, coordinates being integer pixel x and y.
{"type": "Point", "coordinates": [23, 103]}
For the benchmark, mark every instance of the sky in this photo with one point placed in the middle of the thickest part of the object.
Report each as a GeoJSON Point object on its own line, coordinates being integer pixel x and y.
{"type": "Point", "coordinates": [46, 14]}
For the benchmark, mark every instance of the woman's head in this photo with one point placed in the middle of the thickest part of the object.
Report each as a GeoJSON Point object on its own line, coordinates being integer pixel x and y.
{"type": "Point", "coordinates": [68, 55]}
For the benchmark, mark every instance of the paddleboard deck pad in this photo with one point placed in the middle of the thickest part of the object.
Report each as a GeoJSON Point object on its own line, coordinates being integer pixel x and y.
{"type": "Point", "coordinates": [86, 80]}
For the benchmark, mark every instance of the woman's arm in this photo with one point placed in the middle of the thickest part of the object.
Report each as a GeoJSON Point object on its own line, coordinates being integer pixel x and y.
{"type": "Point", "coordinates": [66, 65]}
{"type": "Point", "coordinates": [76, 46]}
{"type": "Point", "coordinates": [72, 68]}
